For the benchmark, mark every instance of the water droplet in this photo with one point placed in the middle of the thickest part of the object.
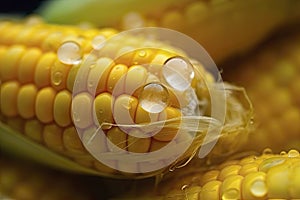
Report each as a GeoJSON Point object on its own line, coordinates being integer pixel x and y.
{"type": "Point", "coordinates": [142, 53]}
{"type": "Point", "coordinates": [98, 42]}
{"type": "Point", "coordinates": [259, 188]}
{"type": "Point", "coordinates": [178, 73]}
{"type": "Point", "coordinates": [252, 121]}
{"type": "Point", "coordinates": [230, 194]}
{"type": "Point", "coordinates": [92, 66]}
{"type": "Point", "coordinates": [154, 98]}
{"type": "Point", "coordinates": [293, 153]}
{"type": "Point", "coordinates": [91, 84]}
{"type": "Point", "coordinates": [69, 53]}
{"type": "Point", "coordinates": [267, 151]}
{"type": "Point", "coordinates": [283, 153]}
{"type": "Point", "coordinates": [57, 78]}
{"type": "Point", "coordinates": [76, 117]}
{"type": "Point", "coordinates": [184, 187]}
{"type": "Point", "coordinates": [269, 163]}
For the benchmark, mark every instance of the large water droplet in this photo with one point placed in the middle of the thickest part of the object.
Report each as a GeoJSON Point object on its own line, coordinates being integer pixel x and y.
{"type": "Point", "coordinates": [69, 53]}
{"type": "Point", "coordinates": [293, 153]}
{"type": "Point", "coordinates": [57, 78]}
{"type": "Point", "coordinates": [98, 42]}
{"type": "Point", "coordinates": [154, 98]}
{"type": "Point", "coordinates": [178, 73]}
{"type": "Point", "coordinates": [259, 188]}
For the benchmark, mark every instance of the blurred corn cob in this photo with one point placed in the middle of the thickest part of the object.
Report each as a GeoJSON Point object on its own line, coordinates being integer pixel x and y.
{"type": "Point", "coordinates": [272, 78]}
{"type": "Point", "coordinates": [224, 28]}
{"type": "Point", "coordinates": [23, 181]}
{"type": "Point", "coordinates": [268, 176]}
{"type": "Point", "coordinates": [37, 78]}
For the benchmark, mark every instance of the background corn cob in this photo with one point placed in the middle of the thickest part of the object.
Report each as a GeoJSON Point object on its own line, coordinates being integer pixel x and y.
{"type": "Point", "coordinates": [271, 77]}
{"type": "Point", "coordinates": [22, 180]}
{"type": "Point", "coordinates": [36, 86]}
{"type": "Point", "coordinates": [224, 28]}
{"type": "Point", "coordinates": [252, 177]}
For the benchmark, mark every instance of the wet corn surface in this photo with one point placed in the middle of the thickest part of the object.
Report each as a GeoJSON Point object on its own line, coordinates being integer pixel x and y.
{"type": "Point", "coordinates": [37, 78]}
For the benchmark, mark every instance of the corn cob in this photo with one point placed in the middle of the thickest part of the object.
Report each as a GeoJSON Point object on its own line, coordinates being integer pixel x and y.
{"type": "Point", "coordinates": [269, 176]}
{"type": "Point", "coordinates": [224, 28]}
{"type": "Point", "coordinates": [271, 77]}
{"type": "Point", "coordinates": [37, 83]}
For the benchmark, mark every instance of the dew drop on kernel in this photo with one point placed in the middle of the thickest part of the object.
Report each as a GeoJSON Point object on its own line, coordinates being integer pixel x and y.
{"type": "Point", "coordinates": [184, 187]}
{"type": "Point", "coordinates": [259, 188]}
{"type": "Point", "coordinates": [91, 84]}
{"type": "Point", "coordinates": [57, 78]}
{"type": "Point", "coordinates": [293, 153]}
{"type": "Point", "coordinates": [69, 53]}
{"type": "Point", "coordinates": [92, 66]}
{"type": "Point", "coordinates": [267, 151]}
{"type": "Point", "coordinates": [154, 98]}
{"type": "Point", "coordinates": [283, 153]}
{"type": "Point", "coordinates": [178, 73]}
{"type": "Point", "coordinates": [230, 194]}
{"type": "Point", "coordinates": [142, 53]}
{"type": "Point", "coordinates": [76, 117]}
{"type": "Point", "coordinates": [270, 162]}
{"type": "Point", "coordinates": [98, 42]}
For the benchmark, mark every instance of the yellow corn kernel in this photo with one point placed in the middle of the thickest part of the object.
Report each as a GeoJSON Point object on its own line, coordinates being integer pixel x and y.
{"type": "Point", "coordinates": [72, 142]}
{"type": "Point", "coordinates": [44, 104]}
{"type": "Point", "coordinates": [34, 130]}
{"type": "Point", "coordinates": [9, 63]}
{"type": "Point", "coordinates": [9, 96]}
{"type": "Point", "coordinates": [271, 77]}
{"type": "Point", "coordinates": [52, 135]}
{"type": "Point", "coordinates": [27, 65]}
{"type": "Point", "coordinates": [224, 28]}
{"type": "Point", "coordinates": [42, 72]}
{"type": "Point", "coordinates": [26, 101]}
{"type": "Point", "coordinates": [61, 108]}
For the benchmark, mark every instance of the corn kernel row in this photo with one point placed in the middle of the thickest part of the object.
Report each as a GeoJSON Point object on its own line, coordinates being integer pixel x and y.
{"type": "Point", "coordinates": [268, 176]}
